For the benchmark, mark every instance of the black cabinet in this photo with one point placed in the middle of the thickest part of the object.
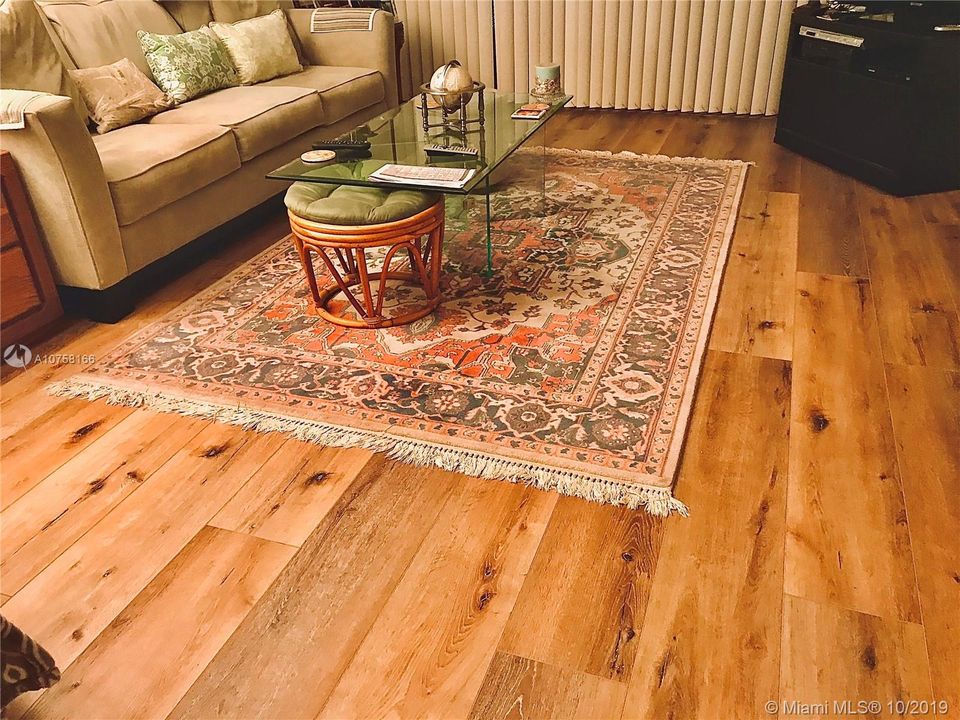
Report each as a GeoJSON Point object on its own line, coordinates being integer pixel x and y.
{"type": "Point", "coordinates": [877, 99]}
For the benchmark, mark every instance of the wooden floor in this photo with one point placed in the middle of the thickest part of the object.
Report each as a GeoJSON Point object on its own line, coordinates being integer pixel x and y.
{"type": "Point", "coordinates": [179, 568]}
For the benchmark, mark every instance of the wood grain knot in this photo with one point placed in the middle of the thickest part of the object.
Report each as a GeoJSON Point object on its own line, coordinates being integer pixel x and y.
{"type": "Point", "coordinates": [662, 670]}
{"type": "Point", "coordinates": [212, 452]}
{"type": "Point", "coordinates": [80, 433]}
{"type": "Point", "coordinates": [95, 486]}
{"type": "Point", "coordinates": [318, 478]}
{"type": "Point", "coordinates": [818, 421]}
{"type": "Point", "coordinates": [485, 597]}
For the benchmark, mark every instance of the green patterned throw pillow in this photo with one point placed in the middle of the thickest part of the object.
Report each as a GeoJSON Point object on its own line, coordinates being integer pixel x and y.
{"type": "Point", "coordinates": [189, 64]}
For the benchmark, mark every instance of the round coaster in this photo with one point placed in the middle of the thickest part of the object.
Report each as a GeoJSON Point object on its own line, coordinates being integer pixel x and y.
{"type": "Point", "coordinates": [538, 106]}
{"type": "Point", "coordinates": [318, 156]}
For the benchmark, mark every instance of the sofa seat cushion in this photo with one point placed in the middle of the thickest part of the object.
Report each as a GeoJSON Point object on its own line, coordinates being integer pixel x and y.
{"type": "Point", "coordinates": [343, 90]}
{"type": "Point", "coordinates": [352, 205]}
{"type": "Point", "coordinates": [260, 117]}
{"type": "Point", "coordinates": [150, 166]}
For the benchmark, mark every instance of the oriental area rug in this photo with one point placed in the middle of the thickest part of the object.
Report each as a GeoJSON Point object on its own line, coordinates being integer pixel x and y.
{"type": "Point", "coordinates": [572, 367]}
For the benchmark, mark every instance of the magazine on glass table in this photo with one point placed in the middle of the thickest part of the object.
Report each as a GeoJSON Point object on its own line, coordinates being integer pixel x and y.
{"type": "Point", "coordinates": [439, 177]}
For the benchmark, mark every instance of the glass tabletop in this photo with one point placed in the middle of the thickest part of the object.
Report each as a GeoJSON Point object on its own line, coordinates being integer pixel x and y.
{"type": "Point", "coordinates": [397, 136]}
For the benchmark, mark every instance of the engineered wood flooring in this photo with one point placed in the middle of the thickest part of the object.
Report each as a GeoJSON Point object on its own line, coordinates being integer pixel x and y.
{"type": "Point", "coordinates": [181, 569]}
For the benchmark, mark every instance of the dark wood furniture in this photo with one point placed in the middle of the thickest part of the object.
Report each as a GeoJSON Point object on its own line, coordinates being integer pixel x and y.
{"type": "Point", "coordinates": [28, 295]}
{"type": "Point", "coordinates": [878, 99]}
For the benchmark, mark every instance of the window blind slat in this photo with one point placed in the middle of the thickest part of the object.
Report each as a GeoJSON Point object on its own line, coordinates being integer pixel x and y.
{"type": "Point", "coordinates": [688, 55]}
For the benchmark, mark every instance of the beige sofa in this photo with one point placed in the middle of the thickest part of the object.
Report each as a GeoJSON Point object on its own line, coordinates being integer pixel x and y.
{"type": "Point", "coordinates": [110, 206]}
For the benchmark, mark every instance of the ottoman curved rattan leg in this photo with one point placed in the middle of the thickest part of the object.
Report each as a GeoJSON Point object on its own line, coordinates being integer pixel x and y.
{"type": "Point", "coordinates": [349, 245]}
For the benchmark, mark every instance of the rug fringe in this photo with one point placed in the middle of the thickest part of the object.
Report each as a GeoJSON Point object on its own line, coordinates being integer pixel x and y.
{"type": "Point", "coordinates": [688, 160]}
{"type": "Point", "coordinates": [655, 500]}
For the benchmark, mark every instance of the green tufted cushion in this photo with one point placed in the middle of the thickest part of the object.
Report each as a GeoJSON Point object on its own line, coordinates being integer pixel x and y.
{"type": "Point", "coordinates": [350, 205]}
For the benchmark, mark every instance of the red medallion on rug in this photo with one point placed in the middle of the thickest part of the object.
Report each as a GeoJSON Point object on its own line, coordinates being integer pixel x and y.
{"type": "Point", "coordinates": [573, 367]}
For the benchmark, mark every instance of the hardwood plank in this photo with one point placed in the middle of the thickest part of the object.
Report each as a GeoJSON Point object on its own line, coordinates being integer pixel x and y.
{"type": "Point", "coordinates": [586, 129]}
{"type": "Point", "coordinates": [943, 207]}
{"type": "Point", "coordinates": [689, 135]}
{"type": "Point", "coordinates": [82, 591]}
{"type": "Point", "coordinates": [777, 169]}
{"type": "Point", "coordinates": [427, 653]}
{"type": "Point", "coordinates": [323, 604]}
{"type": "Point", "coordinates": [708, 644]}
{"type": "Point", "coordinates": [605, 130]}
{"type": "Point", "coordinates": [48, 356]}
{"type": "Point", "coordinates": [847, 537]}
{"type": "Point", "coordinates": [147, 658]}
{"type": "Point", "coordinates": [830, 653]}
{"type": "Point", "coordinates": [756, 307]}
{"type": "Point", "coordinates": [67, 503]}
{"type": "Point", "coordinates": [646, 131]}
{"type": "Point", "coordinates": [584, 598]}
{"type": "Point", "coordinates": [286, 499]}
{"type": "Point", "coordinates": [66, 429]}
{"type": "Point", "coordinates": [946, 239]}
{"type": "Point", "coordinates": [518, 688]}
{"type": "Point", "coordinates": [23, 397]}
{"type": "Point", "coordinates": [830, 242]}
{"type": "Point", "coordinates": [732, 139]}
{"type": "Point", "coordinates": [926, 423]}
{"type": "Point", "coordinates": [917, 307]}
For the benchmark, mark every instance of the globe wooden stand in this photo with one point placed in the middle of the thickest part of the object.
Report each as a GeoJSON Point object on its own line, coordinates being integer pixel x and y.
{"type": "Point", "coordinates": [449, 119]}
{"type": "Point", "coordinates": [348, 244]}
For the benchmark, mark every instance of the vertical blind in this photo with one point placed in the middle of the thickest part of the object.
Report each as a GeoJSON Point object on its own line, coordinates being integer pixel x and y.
{"type": "Point", "coordinates": [688, 55]}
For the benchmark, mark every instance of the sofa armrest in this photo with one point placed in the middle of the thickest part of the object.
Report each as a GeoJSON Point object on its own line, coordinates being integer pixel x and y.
{"type": "Point", "coordinates": [64, 178]}
{"type": "Point", "coordinates": [352, 48]}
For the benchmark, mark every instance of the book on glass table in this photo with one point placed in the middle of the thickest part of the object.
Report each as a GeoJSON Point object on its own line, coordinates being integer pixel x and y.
{"type": "Point", "coordinates": [531, 111]}
{"type": "Point", "coordinates": [439, 177]}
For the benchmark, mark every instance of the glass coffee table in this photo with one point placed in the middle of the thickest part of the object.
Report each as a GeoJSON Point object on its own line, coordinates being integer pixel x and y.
{"type": "Point", "coordinates": [398, 136]}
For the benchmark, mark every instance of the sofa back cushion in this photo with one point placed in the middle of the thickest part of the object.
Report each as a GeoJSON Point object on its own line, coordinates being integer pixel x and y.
{"type": "Point", "coordinates": [189, 14]}
{"type": "Point", "coordinates": [28, 59]}
{"type": "Point", "coordinates": [97, 33]}
{"type": "Point", "coordinates": [230, 11]}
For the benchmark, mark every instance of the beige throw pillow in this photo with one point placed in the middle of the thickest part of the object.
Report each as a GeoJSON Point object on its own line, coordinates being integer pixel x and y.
{"type": "Point", "coordinates": [260, 48]}
{"type": "Point", "coordinates": [118, 94]}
